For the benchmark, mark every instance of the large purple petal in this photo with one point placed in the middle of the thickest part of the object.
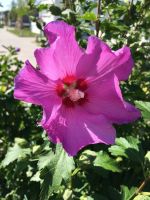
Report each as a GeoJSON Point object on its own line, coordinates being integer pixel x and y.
{"type": "Point", "coordinates": [119, 62]}
{"type": "Point", "coordinates": [104, 97]}
{"type": "Point", "coordinates": [34, 87]}
{"type": "Point", "coordinates": [47, 63]}
{"type": "Point", "coordinates": [76, 129]}
{"type": "Point", "coordinates": [58, 29]}
{"type": "Point", "coordinates": [99, 59]}
{"type": "Point", "coordinates": [87, 63]}
{"type": "Point", "coordinates": [64, 53]}
{"type": "Point", "coordinates": [50, 114]}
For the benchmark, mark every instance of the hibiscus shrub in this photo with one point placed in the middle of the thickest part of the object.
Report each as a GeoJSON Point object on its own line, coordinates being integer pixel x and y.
{"type": "Point", "coordinates": [32, 167]}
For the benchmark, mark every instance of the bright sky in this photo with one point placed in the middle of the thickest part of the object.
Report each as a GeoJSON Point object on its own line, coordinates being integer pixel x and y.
{"type": "Point", "coordinates": [6, 4]}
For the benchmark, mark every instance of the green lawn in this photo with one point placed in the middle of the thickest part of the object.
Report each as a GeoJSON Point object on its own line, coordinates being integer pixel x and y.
{"type": "Point", "coordinates": [25, 32]}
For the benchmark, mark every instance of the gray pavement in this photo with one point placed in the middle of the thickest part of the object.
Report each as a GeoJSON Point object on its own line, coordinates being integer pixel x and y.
{"type": "Point", "coordinates": [26, 44]}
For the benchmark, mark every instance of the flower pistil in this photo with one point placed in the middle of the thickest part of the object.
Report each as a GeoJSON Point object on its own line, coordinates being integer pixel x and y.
{"type": "Point", "coordinates": [72, 91]}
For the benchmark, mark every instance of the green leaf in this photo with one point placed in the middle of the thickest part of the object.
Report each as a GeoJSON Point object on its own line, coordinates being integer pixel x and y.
{"type": "Point", "coordinates": [60, 167]}
{"type": "Point", "coordinates": [55, 10]}
{"type": "Point", "coordinates": [128, 148]}
{"type": "Point", "coordinates": [67, 194]}
{"type": "Point", "coordinates": [46, 185]}
{"type": "Point", "coordinates": [45, 160]}
{"type": "Point", "coordinates": [147, 156]}
{"type": "Point", "coordinates": [147, 164]}
{"type": "Point", "coordinates": [117, 151]}
{"type": "Point", "coordinates": [89, 16]}
{"type": "Point", "coordinates": [15, 153]}
{"type": "Point", "coordinates": [145, 108]}
{"type": "Point", "coordinates": [36, 177]}
{"type": "Point", "coordinates": [87, 157]}
{"type": "Point", "coordinates": [42, 7]}
{"type": "Point", "coordinates": [96, 197]}
{"type": "Point", "coordinates": [127, 193]}
{"type": "Point", "coordinates": [105, 161]}
{"type": "Point", "coordinates": [142, 197]}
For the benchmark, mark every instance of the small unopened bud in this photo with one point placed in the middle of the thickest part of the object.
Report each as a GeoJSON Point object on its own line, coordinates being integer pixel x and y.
{"type": "Point", "coordinates": [17, 49]}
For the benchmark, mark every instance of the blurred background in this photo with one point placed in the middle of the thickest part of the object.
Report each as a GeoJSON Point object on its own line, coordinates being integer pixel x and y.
{"type": "Point", "coordinates": [31, 167]}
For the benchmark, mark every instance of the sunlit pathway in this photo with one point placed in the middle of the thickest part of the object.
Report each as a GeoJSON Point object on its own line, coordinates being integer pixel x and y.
{"type": "Point", "coordinates": [26, 44]}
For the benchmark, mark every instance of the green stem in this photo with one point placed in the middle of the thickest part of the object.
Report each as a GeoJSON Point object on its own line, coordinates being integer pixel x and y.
{"type": "Point", "coordinates": [140, 188]}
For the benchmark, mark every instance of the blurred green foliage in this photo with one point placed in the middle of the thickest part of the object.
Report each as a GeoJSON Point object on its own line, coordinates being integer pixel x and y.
{"type": "Point", "coordinates": [31, 167]}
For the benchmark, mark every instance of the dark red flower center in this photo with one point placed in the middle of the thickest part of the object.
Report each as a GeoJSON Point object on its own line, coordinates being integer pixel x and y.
{"type": "Point", "coordinates": [72, 91]}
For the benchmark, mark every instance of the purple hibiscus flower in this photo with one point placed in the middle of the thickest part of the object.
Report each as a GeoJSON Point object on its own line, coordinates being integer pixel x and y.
{"type": "Point", "coordinates": [77, 88]}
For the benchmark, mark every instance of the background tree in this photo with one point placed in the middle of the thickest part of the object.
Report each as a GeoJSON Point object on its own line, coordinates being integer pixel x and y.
{"type": "Point", "coordinates": [13, 12]}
